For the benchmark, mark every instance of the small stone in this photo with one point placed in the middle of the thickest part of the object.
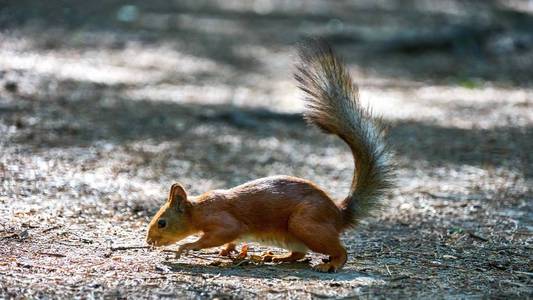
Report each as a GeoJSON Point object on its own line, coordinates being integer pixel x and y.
{"type": "Point", "coordinates": [446, 256]}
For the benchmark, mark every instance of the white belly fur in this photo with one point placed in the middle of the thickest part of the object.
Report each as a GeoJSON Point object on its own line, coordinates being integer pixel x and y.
{"type": "Point", "coordinates": [275, 240]}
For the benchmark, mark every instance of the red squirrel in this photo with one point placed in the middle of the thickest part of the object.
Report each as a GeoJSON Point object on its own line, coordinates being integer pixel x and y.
{"type": "Point", "coordinates": [290, 212]}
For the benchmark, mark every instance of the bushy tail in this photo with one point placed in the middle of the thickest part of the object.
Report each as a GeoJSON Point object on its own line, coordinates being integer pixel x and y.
{"type": "Point", "coordinates": [332, 103]}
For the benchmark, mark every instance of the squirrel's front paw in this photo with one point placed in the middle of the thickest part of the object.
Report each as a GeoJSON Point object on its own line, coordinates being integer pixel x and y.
{"type": "Point", "coordinates": [181, 250]}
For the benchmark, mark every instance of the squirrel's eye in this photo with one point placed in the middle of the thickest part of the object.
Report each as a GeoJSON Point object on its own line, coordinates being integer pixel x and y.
{"type": "Point", "coordinates": [161, 223]}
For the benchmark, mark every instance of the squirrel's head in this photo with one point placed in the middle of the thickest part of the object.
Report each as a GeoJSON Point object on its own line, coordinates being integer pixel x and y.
{"type": "Point", "coordinates": [171, 223]}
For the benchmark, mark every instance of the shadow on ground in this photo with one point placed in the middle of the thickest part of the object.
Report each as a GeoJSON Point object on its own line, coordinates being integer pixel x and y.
{"type": "Point", "coordinates": [297, 271]}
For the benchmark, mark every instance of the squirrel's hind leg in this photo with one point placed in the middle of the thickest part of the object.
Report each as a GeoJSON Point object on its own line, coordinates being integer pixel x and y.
{"type": "Point", "coordinates": [321, 238]}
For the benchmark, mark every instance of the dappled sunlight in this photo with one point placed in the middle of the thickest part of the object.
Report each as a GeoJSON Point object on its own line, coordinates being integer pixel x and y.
{"type": "Point", "coordinates": [74, 69]}
{"type": "Point", "coordinates": [109, 66]}
{"type": "Point", "coordinates": [452, 106]}
{"type": "Point", "coordinates": [208, 94]}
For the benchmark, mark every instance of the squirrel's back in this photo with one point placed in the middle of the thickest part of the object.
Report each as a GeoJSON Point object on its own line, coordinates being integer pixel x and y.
{"type": "Point", "coordinates": [267, 203]}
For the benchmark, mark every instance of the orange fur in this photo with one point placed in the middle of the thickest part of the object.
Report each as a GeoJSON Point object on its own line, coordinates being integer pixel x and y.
{"type": "Point", "coordinates": [281, 210]}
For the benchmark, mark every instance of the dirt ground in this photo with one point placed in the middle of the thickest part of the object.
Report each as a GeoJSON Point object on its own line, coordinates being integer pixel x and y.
{"type": "Point", "coordinates": [104, 105]}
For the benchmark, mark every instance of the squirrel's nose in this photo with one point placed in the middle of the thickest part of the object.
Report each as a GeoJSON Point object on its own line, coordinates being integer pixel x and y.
{"type": "Point", "coordinates": [149, 241]}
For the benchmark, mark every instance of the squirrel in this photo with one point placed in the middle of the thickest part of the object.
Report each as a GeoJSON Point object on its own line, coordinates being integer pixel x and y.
{"type": "Point", "coordinates": [290, 212]}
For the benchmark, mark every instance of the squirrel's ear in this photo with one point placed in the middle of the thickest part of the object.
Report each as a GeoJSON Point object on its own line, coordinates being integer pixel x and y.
{"type": "Point", "coordinates": [177, 196]}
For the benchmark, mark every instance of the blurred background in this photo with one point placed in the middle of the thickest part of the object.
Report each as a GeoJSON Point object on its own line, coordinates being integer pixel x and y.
{"type": "Point", "coordinates": [103, 104]}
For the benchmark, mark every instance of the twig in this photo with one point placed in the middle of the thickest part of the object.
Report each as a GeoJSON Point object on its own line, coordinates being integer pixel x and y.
{"type": "Point", "coordinates": [523, 233]}
{"type": "Point", "coordinates": [20, 235]}
{"type": "Point", "coordinates": [315, 294]}
{"type": "Point", "coordinates": [82, 238]}
{"type": "Point", "coordinates": [190, 254]}
{"type": "Point", "coordinates": [169, 251]}
{"type": "Point", "coordinates": [51, 228]}
{"type": "Point", "coordinates": [435, 196]}
{"type": "Point", "coordinates": [25, 265]}
{"type": "Point", "coordinates": [514, 283]}
{"type": "Point", "coordinates": [460, 238]}
{"type": "Point", "coordinates": [525, 273]}
{"type": "Point", "coordinates": [27, 225]}
{"type": "Point", "coordinates": [69, 244]}
{"type": "Point", "coordinates": [388, 270]}
{"type": "Point", "coordinates": [120, 248]}
{"type": "Point", "coordinates": [415, 252]}
{"type": "Point", "coordinates": [52, 254]}
{"type": "Point", "coordinates": [11, 235]}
